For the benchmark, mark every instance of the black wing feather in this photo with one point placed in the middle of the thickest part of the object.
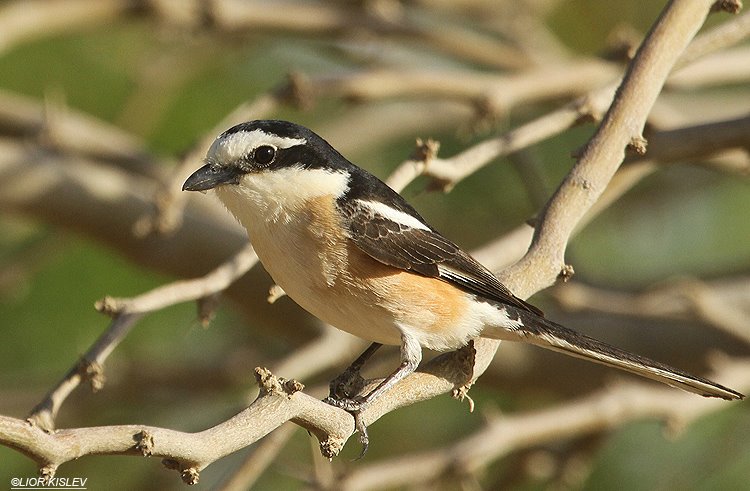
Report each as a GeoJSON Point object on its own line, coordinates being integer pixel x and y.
{"type": "Point", "coordinates": [423, 251]}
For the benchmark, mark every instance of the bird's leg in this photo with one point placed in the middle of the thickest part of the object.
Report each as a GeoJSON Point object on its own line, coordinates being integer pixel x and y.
{"type": "Point", "coordinates": [411, 355]}
{"type": "Point", "coordinates": [350, 382]}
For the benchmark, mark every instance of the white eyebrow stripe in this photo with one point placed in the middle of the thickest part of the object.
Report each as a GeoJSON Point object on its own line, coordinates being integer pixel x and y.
{"type": "Point", "coordinates": [227, 148]}
{"type": "Point", "coordinates": [393, 214]}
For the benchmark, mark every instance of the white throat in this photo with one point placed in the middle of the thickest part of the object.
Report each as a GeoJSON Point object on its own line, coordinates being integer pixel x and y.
{"type": "Point", "coordinates": [272, 195]}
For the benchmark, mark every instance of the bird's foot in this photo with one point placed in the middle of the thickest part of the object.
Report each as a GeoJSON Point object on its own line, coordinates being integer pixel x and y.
{"type": "Point", "coordinates": [345, 385]}
{"type": "Point", "coordinates": [351, 405]}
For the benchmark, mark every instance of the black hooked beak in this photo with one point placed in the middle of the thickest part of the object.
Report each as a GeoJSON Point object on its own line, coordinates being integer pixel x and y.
{"type": "Point", "coordinates": [208, 177]}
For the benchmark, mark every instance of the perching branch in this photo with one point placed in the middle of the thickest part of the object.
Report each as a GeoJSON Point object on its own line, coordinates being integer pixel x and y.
{"type": "Point", "coordinates": [503, 434]}
{"type": "Point", "coordinates": [281, 400]}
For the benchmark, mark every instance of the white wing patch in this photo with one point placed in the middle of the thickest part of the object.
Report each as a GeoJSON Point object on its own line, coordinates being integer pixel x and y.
{"type": "Point", "coordinates": [236, 145]}
{"type": "Point", "coordinates": [393, 214]}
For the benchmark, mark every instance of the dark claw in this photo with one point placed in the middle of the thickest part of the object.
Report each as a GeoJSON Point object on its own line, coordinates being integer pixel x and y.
{"type": "Point", "coordinates": [353, 407]}
{"type": "Point", "coordinates": [342, 390]}
{"type": "Point", "coordinates": [364, 438]}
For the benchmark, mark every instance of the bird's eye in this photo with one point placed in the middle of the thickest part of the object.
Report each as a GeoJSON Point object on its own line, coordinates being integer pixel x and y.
{"type": "Point", "coordinates": [264, 154]}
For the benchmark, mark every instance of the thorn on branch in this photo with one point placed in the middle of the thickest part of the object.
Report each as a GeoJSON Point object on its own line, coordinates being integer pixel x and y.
{"type": "Point", "coordinates": [566, 273]}
{"type": "Point", "coordinates": [275, 293]}
{"type": "Point", "coordinates": [93, 373]}
{"type": "Point", "coordinates": [638, 145]}
{"type": "Point", "coordinates": [190, 476]}
{"type": "Point", "coordinates": [144, 442]}
{"type": "Point", "coordinates": [588, 112]}
{"type": "Point", "coordinates": [425, 151]}
{"type": "Point", "coordinates": [48, 472]}
{"type": "Point", "coordinates": [331, 447]}
{"type": "Point", "coordinates": [109, 306]}
{"type": "Point", "coordinates": [207, 307]}
{"type": "Point", "coordinates": [270, 384]}
{"type": "Point", "coordinates": [292, 386]}
{"type": "Point", "coordinates": [731, 6]}
{"type": "Point", "coordinates": [622, 44]}
{"type": "Point", "coordinates": [267, 382]}
{"type": "Point", "coordinates": [297, 91]}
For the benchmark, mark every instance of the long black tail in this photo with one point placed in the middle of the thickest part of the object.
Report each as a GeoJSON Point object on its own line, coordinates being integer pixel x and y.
{"type": "Point", "coordinates": [540, 331]}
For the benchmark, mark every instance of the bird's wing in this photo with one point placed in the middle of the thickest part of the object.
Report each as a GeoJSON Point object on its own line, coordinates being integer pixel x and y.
{"type": "Point", "coordinates": [400, 238]}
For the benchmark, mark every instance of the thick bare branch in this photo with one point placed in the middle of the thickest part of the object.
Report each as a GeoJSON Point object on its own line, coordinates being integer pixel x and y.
{"type": "Point", "coordinates": [502, 92]}
{"type": "Point", "coordinates": [280, 401]}
{"type": "Point", "coordinates": [327, 18]}
{"type": "Point", "coordinates": [504, 434]}
{"type": "Point", "coordinates": [621, 128]}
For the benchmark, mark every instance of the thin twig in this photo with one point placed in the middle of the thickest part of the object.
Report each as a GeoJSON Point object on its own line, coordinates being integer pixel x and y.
{"type": "Point", "coordinates": [450, 171]}
{"type": "Point", "coordinates": [126, 313]}
{"type": "Point", "coordinates": [724, 303]}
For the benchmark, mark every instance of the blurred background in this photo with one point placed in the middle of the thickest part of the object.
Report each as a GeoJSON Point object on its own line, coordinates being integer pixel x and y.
{"type": "Point", "coordinates": [105, 104]}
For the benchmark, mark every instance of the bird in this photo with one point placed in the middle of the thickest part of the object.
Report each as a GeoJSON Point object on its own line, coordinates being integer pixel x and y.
{"type": "Point", "coordinates": [354, 253]}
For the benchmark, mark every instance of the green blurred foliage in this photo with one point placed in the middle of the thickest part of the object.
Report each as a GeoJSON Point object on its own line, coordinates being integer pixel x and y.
{"type": "Point", "coordinates": [600, 19]}
{"type": "Point", "coordinates": [692, 219]}
{"type": "Point", "coordinates": [114, 72]}
{"type": "Point", "coordinates": [710, 455]}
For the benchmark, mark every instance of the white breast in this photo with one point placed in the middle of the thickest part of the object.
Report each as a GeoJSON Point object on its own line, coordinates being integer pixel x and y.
{"type": "Point", "coordinates": [292, 223]}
